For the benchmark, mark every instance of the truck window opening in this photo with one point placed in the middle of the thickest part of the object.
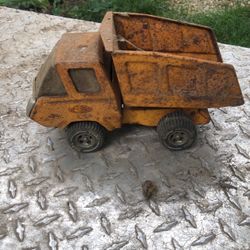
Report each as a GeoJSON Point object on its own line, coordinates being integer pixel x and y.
{"type": "Point", "coordinates": [84, 80]}
{"type": "Point", "coordinates": [48, 82]}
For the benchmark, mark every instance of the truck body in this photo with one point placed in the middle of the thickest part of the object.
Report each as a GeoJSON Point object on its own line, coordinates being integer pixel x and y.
{"type": "Point", "coordinates": [136, 70]}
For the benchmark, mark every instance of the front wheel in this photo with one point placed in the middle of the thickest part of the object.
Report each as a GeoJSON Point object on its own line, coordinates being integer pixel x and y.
{"type": "Point", "coordinates": [86, 137]}
{"type": "Point", "coordinates": [176, 131]}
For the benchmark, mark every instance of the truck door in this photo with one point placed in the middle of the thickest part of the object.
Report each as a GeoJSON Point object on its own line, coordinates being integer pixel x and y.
{"type": "Point", "coordinates": [93, 98]}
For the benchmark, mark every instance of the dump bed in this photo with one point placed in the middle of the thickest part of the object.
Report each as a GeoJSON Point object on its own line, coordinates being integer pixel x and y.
{"type": "Point", "coordinates": [164, 63]}
{"type": "Point", "coordinates": [140, 32]}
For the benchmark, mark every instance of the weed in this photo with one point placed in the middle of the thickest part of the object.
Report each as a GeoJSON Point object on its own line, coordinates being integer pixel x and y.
{"type": "Point", "coordinates": [36, 5]}
{"type": "Point", "coordinates": [231, 25]}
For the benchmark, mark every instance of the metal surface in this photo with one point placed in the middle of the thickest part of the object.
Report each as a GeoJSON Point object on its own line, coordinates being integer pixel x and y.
{"type": "Point", "coordinates": [52, 198]}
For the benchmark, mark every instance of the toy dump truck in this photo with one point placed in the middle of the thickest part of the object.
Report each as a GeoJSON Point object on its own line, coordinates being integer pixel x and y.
{"type": "Point", "coordinates": [138, 69]}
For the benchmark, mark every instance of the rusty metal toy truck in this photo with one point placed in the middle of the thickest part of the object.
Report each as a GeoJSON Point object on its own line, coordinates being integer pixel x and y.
{"type": "Point", "coordinates": [138, 69]}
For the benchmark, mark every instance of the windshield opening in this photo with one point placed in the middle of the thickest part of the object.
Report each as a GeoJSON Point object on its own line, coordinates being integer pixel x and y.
{"type": "Point", "coordinates": [48, 82]}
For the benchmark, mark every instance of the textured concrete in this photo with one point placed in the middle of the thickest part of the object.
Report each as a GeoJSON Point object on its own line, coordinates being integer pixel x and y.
{"type": "Point", "coordinates": [52, 198]}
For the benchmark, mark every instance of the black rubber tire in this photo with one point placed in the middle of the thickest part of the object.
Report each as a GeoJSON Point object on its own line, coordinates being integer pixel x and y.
{"type": "Point", "coordinates": [86, 137]}
{"type": "Point", "coordinates": [176, 131]}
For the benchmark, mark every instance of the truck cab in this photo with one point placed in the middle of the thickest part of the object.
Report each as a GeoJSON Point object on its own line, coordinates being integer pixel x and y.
{"type": "Point", "coordinates": [74, 85]}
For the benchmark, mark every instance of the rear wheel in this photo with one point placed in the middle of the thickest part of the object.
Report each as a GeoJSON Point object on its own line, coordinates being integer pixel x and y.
{"type": "Point", "coordinates": [176, 131]}
{"type": "Point", "coordinates": [86, 137]}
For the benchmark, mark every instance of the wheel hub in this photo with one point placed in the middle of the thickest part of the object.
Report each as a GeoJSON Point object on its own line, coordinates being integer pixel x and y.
{"type": "Point", "coordinates": [85, 140]}
{"type": "Point", "coordinates": [178, 138]}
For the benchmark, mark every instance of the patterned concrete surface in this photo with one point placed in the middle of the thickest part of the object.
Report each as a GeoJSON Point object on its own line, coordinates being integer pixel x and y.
{"type": "Point", "coordinates": [52, 198]}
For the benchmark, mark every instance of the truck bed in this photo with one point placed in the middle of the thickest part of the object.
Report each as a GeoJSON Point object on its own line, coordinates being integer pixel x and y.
{"type": "Point", "coordinates": [140, 32]}
{"type": "Point", "coordinates": [162, 63]}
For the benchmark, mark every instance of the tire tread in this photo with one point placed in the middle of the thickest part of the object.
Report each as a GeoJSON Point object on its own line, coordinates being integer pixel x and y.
{"type": "Point", "coordinates": [86, 125]}
{"type": "Point", "coordinates": [177, 119]}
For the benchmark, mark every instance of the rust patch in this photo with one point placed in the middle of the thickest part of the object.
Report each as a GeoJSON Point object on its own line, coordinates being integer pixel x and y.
{"type": "Point", "coordinates": [80, 109]}
{"type": "Point", "coordinates": [54, 116]}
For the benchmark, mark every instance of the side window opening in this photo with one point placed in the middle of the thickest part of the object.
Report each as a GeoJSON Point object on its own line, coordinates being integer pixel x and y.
{"type": "Point", "coordinates": [84, 80]}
